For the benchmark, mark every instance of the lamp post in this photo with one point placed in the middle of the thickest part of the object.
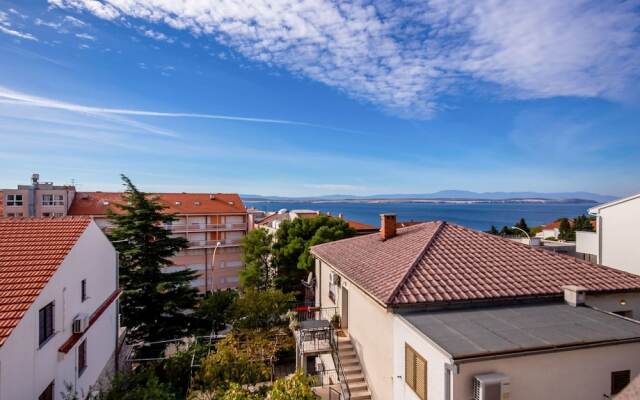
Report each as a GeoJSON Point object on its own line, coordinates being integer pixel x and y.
{"type": "Point", "coordinates": [523, 231]}
{"type": "Point", "coordinates": [213, 260]}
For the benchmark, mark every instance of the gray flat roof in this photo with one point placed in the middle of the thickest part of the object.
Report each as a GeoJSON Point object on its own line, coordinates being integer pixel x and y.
{"type": "Point", "coordinates": [511, 329]}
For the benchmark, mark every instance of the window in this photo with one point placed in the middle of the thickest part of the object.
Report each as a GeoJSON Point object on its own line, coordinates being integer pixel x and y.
{"type": "Point", "coordinates": [52, 200]}
{"type": "Point", "coordinates": [415, 372]}
{"type": "Point", "coordinates": [14, 200]}
{"type": "Point", "coordinates": [83, 290]}
{"type": "Point", "coordinates": [82, 357]}
{"type": "Point", "coordinates": [619, 380]}
{"type": "Point", "coordinates": [47, 394]}
{"type": "Point", "coordinates": [46, 315]}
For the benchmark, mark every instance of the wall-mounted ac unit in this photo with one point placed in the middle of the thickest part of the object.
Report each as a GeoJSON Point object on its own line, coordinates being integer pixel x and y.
{"type": "Point", "coordinates": [491, 387]}
{"type": "Point", "coordinates": [80, 323]}
{"type": "Point", "coordinates": [334, 278]}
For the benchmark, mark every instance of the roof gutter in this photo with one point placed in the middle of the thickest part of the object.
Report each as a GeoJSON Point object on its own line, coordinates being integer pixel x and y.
{"type": "Point", "coordinates": [541, 350]}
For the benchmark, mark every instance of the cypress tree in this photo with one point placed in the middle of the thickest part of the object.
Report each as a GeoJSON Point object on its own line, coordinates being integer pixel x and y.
{"type": "Point", "coordinates": [153, 302]}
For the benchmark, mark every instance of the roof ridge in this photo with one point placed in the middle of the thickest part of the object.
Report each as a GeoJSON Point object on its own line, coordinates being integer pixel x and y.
{"type": "Point", "coordinates": [415, 262]}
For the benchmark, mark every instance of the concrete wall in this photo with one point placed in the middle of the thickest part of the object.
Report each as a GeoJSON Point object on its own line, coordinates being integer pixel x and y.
{"type": "Point", "coordinates": [370, 329]}
{"type": "Point", "coordinates": [620, 239]}
{"type": "Point", "coordinates": [616, 302]}
{"type": "Point", "coordinates": [437, 374]}
{"type": "Point", "coordinates": [26, 369]}
{"type": "Point", "coordinates": [568, 375]}
{"type": "Point", "coordinates": [587, 242]}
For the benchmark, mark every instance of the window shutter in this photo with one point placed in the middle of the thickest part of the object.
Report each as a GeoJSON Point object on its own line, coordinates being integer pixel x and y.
{"type": "Point", "coordinates": [421, 377]}
{"type": "Point", "coordinates": [409, 367]}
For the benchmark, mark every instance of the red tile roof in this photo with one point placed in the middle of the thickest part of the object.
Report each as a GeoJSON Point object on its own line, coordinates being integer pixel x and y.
{"type": "Point", "coordinates": [440, 262]}
{"type": "Point", "coordinates": [97, 203]}
{"type": "Point", "coordinates": [361, 226]}
{"type": "Point", "coordinates": [556, 224]}
{"type": "Point", "coordinates": [31, 249]}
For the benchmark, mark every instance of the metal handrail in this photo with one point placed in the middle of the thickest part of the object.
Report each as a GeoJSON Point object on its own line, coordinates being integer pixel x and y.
{"type": "Point", "coordinates": [333, 392]}
{"type": "Point", "coordinates": [344, 385]}
{"type": "Point", "coordinates": [199, 226]}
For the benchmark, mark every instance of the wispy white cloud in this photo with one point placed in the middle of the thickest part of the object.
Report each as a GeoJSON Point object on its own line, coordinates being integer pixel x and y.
{"type": "Point", "coordinates": [157, 36]}
{"type": "Point", "coordinates": [74, 21]}
{"type": "Point", "coordinates": [19, 98]}
{"type": "Point", "coordinates": [408, 57]}
{"type": "Point", "coordinates": [85, 36]}
{"type": "Point", "coordinates": [18, 34]}
{"type": "Point", "coordinates": [50, 24]}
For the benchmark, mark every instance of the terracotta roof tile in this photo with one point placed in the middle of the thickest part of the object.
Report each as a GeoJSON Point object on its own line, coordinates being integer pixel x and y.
{"type": "Point", "coordinates": [31, 249]}
{"type": "Point", "coordinates": [97, 203]}
{"type": "Point", "coordinates": [440, 262]}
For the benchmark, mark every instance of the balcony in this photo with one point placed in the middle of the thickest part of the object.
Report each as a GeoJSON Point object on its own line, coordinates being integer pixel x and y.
{"type": "Point", "coordinates": [206, 244]}
{"type": "Point", "coordinates": [199, 227]}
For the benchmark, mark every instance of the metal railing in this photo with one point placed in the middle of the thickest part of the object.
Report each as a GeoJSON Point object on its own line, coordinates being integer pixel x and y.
{"type": "Point", "coordinates": [325, 378]}
{"type": "Point", "coordinates": [334, 394]}
{"type": "Point", "coordinates": [306, 313]}
{"type": "Point", "coordinates": [214, 243]}
{"type": "Point", "coordinates": [199, 227]}
{"type": "Point", "coordinates": [344, 385]}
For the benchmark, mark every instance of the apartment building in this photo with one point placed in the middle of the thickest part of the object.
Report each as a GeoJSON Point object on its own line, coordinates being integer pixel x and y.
{"type": "Point", "coordinates": [58, 307]}
{"type": "Point", "coordinates": [439, 311]}
{"type": "Point", "coordinates": [615, 241]}
{"type": "Point", "coordinates": [39, 199]}
{"type": "Point", "coordinates": [213, 223]}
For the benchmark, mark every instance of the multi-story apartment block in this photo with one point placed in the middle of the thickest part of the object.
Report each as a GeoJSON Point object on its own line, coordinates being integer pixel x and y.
{"type": "Point", "coordinates": [213, 223]}
{"type": "Point", "coordinates": [58, 308]}
{"type": "Point", "coordinates": [39, 199]}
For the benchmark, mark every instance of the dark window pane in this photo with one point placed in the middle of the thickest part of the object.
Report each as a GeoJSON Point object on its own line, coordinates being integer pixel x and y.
{"type": "Point", "coordinates": [47, 394]}
{"type": "Point", "coordinates": [619, 380]}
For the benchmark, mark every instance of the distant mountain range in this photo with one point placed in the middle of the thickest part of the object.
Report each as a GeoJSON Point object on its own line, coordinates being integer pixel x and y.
{"type": "Point", "coordinates": [451, 195]}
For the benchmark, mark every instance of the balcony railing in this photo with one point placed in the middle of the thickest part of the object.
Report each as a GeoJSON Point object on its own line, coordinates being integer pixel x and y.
{"type": "Point", "coordinates": [200, 227]}
{"type": "Point", "coordinates": [213, 243]}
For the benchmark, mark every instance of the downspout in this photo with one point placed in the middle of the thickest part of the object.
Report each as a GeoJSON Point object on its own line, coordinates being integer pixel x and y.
{"type": "Point", "coordinates": [599, 228]}
{"type": "Point", "coordinates": [448, 378]}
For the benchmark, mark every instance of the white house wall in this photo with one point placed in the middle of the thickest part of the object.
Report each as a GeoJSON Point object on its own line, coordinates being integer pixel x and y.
{"type": "Point", "coordinates": [618, 230]}
{"type": "Point", "coordinates": [568, 375]}
{"type": "Point", "coordinates": [26, 370]}
{"type": "Point", "coordinates": [616, 302]}
{"type": "Point", "coordinates": [371, 332]}
{"type": "Point", "coordinates": [403, 334]}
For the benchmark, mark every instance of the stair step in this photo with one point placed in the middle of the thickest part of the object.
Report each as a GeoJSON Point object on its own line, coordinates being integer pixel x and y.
{"type": "Point", "coordinates": [352, 379]}
{"type": "Point", "coordinates": [360, 395]}
{"type": "Point", "coordinates": [358, 385]}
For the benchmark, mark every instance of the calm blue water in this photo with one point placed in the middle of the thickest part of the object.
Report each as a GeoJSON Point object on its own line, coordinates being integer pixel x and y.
{"type": "Point", "coordinates": [475, 216]}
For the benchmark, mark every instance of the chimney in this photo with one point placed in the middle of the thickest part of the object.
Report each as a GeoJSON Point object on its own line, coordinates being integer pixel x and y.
{"type": "Point", "coordinates": [574, 295]}
{"type": "Point", "coordinates": [387, 226]}
{"type": "Point", "coordinates": [34, 179]}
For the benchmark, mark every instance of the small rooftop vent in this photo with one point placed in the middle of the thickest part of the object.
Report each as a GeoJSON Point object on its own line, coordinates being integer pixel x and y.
{"type": "Point", "coordinates": [231, 203]}
{"type": "Point", "coordinates": [84, 196]}
{"type": "Point", "coordinates": [105, 202]}
{"type": "Point", "coordinates": [197, 203]}
{"type": "Point", "coordinates": [178, 203]}
{"type": "Point", "coordinates": [574, 295]}
{"type": "Point", "coordinates": [212, 196]}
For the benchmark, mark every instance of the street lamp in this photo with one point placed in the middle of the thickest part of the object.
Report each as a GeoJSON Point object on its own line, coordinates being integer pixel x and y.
{"type": "Point", "coordinates": [523, 231]}
{"type": "Point", "coordinates": [213, 260]}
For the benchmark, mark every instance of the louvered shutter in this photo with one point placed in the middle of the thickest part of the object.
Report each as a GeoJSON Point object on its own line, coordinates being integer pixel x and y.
{"type": "Point", "coordinates": [409, 367]}
{"type": "Point", "coordinates": [421, 377]}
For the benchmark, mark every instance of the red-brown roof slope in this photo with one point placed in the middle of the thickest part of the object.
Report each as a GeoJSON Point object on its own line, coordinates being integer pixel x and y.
{"type": "Point", "coordinates": [97, 203]}
{"type": "Point", "coordinates": [439, 262]}
{"type": "Point", "coordinates": [31, 249]}
{"type": "Point", "coordinates": [361, 226]}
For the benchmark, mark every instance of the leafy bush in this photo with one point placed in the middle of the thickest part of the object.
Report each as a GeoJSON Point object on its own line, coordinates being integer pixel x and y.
{"type": "Point", "coordinates": [260, 309]}
{"type": "Point", "coordinates": [295, 387]}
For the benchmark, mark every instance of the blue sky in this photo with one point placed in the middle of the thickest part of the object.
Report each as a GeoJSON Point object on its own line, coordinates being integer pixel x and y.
{"type": "Point", "coordinates": [319, 97]}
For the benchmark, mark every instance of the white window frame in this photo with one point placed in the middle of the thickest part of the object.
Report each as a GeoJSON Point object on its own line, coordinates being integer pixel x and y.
{"type": "Point", "coordinates": [13, 199]}
{"type": "Point", "coordinates": [54, 200]}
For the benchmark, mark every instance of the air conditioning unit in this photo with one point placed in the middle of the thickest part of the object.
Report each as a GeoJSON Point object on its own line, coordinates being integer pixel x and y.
{"type": "Point", "coordinates": [80, 323]}
{"type": "Point", "coordinates": [491, 387]}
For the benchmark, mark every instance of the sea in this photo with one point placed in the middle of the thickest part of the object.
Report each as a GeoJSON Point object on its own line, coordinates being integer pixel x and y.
{"type": "Point", "coordinates": [479, 216]}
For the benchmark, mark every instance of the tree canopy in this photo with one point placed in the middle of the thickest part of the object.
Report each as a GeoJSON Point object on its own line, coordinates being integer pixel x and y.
{"type": "Point", "coordinates": [258, 271]}
{"type": "Point", "coordinates": [153, 301]}
{"type": "Point", "coordinates": [260, 309]}
{"type": "Point", "coordinates": [292, 243]}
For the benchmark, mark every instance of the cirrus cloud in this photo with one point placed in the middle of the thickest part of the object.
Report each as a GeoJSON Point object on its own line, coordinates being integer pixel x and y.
{"type": "Point", "coordinates": [408, 57]}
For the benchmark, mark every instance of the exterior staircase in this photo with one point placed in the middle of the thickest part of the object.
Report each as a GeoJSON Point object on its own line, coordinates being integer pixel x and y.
{"type": "Point", "coordinates": [352, 370]}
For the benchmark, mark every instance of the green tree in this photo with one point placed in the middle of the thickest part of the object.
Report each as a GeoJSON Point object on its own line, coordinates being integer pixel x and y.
{"type": "Point", "coordinates": [493, 230]}
{"type": "Point", "coordinates": [522, 224]}
{"type": "Point", "coordinates": [582, 223]}
{"type": "Point", "coordinates": [153, 302]}
{"type": "Point", "coordinates": [213, 310]}
{"type": "Point", "coordinates": [293, 241]}
{"type": "Point", "coordinates": [142, 384]}
{"type": "Point", "coordinates": [566, 232]}
{"type": "Point", "coordinates": [258, 272]}
{"type": "Point", "coordinates": [506, 231]}
{"type": "Point", "coordinates": [260, 309]}
{"type": "Point", "coordinates": [296, 387]}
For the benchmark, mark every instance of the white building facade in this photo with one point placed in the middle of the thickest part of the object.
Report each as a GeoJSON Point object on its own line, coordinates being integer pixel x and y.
{"type": "Point", "coordinates": [44, 356]}
{"type": "Point", "coordinates": [616, 240]}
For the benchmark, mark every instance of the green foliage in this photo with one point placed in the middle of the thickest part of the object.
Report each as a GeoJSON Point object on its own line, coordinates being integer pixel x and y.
{"type": "Point", "coordinates": [566, 232]}
{"type": "Point", "coordinates": [258, 272]}
{"type": "Point", "coordinates": [236, 392]}
{"type": "Point", "coordinates": [230, 363]}
{"type": "Point", "coordinates": [493, 230]}
{"type": "Point", "coordinates": [153, 301]}
{"type": "Point", "coordinates": [293, 241]}
{"type": "Point", "coordinates": [175, 371]}
{"type": "Point", "coordinates": [506, 231]}
{"type": "Point", "coordinates": [213, 310]}
{"type": "Point", "coordinates": [522, 224]}
{"type": "Point", "coordinates": [260, 309]}
{"type": "Point", "coordinates": [582, 223]}
{"type": "Point", "coordinates": [296, 387]}
{"type": "Point", "coordinates": [139, 385]}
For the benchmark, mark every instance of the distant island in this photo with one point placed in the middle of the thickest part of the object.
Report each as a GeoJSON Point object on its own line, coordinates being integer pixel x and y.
{"type": "Point", "coordinates": [448, 197]}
